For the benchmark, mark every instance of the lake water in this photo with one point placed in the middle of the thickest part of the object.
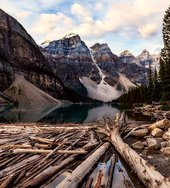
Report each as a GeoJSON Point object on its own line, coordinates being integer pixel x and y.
{"type": "Point", "coordinates": [72, 113]}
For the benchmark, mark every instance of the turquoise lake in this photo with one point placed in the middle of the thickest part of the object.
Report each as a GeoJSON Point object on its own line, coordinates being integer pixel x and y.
{"type": "Point", "coordinates": [71, 113]}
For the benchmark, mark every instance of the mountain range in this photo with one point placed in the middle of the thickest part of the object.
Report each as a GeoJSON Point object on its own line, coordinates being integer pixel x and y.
{"type": "Point", "coordinates": [66, 68]}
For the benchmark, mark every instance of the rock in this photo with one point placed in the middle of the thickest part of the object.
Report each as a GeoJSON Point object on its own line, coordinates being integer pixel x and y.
{"type": "Point", "coordinates": [112, 64]}
{"type": "Point", "coordinates": [153, 143]}
{"type": "Point", "coordinates": [165, 151]}
{"type": "Point", "coordinates": [150, 157]}
{"type": "Point", "coordinates": [70, 59]}
{"type": "Point", "coordinates": [140, 133]}
{"type": "Point", "coordinates": [166, 136]}
{"type": "Point", "coordinates": [19, 54]}
{"type": "Point", "coordinates": [157, 133]}
{"type": "Point", "coordinates": [138, 145]}
{"type": "Point", "coordinates": [162, 124]}
{"type": "Point", "coordinates": [165, 144]}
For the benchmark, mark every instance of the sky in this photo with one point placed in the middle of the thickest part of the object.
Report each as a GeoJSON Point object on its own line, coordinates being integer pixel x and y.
{"type": "Point", "coordinates": [123, 24]}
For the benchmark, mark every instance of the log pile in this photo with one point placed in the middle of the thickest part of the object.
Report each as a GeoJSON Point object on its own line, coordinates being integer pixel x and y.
{"type": "Point", "coordinates": [73, 156]}
{"type": "Point", "coordinates": [38, 155]}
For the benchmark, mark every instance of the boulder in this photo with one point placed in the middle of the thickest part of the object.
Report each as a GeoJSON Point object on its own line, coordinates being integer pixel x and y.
{"type": "Point", "coordinates": [153, 143]}
{"type": "Point", "coordinates": [140, 133]}
{"type": "Point", "coordinates": [165, 144]}
{"type": "Point", "coordinates": [157, 133]}
{"type": "Point", "coordinates": [166, 150]}
{"type": "Point", "coordinates": [166, 136]}
{"type": "Point", "coordinates": [162, 124]}
{"type": "Point", "coordinates": [138, 145]}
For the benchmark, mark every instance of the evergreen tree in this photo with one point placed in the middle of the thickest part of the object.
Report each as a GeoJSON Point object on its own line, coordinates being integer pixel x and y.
{"type": "Point", "coordinates": [165, 58]}
{"type": "Point", "coordinates": [156, 95]}
{"type": "Point", "coordinates": [150, 84]}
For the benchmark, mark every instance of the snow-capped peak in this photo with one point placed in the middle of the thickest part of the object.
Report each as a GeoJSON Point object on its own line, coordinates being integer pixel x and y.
{"type": "Point", "coordinates": [45, 43]}
{"type": "Point", "coordinates": [70, 35]}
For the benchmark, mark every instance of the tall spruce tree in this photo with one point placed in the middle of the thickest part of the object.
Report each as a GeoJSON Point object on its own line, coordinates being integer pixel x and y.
{"type": "Point", "coordinates": [165, 58]}
{"type": "Point", "coordinates": [150, 84]}
{"type": "Point", "coordinates": [156, 96]}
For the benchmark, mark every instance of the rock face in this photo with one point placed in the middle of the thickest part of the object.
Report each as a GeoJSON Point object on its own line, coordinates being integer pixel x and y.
{"type": "Point", "coordinates": [20, 54]}
{"type": "Point", "coordinates": [25, 92]}
{"type": "Point", "coordinates": [142, 60]}
{"type": "Point", "coordinates": [127, 57]}
{"type": "Point", "coordinates": [70, 59]}
{"type": "Point", "coordinates": [101, 72]}
{"type": "Point", "coordinates": [113, 65]}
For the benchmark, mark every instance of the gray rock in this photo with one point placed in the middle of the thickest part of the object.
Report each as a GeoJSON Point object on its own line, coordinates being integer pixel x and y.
{"type": "Point", "coordinates": [140, 133]}
{"type": "Point", "coordinates": [138, 145]}
{"type": "Point", "coordinates": [157, 133]}
{"type": "Point", "coordinates": [153, 143]}
{"type": "Point", "coordinates": [166, 150]}
{"type": "Point", "coordinates": [166, 136]}
{"type": "Point", "coordinates": [165, 144]}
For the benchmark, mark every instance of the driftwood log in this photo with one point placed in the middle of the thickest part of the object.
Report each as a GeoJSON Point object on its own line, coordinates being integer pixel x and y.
{"type": "Point", "coordinates": [72, 180]}
{"type": "Point", "coordinates": [145, 171]}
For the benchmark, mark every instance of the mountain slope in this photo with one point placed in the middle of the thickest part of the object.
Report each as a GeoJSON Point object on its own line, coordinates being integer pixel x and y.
{"type": "Point", "coordinates": [101, 72]}
{"type": "Point", "coordinates": [105, 92]}
{"type": "Point", "coordinates": [20, 54]}
{"type": "Point", "coordinates": [113, 65]}
{"type": "Point", "coordinates": [25, 92]}
{"type": "Point", "coordinates": [142, 60]}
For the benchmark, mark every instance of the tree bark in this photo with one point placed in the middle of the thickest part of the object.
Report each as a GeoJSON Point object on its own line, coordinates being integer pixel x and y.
{"type": "Point", "coordinates": [83, 169]}
{"type": "Point", "coordinates": [145, 171]}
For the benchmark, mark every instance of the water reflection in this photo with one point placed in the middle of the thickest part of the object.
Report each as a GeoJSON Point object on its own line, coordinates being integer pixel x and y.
{"type": "Point", "coordinates": [29, 114]}
{"type": "Point", "coordinates": [79, 113]}
{"type": "Point", "coordinates": [99, 112]}
{"type": "Point", "coordinates": [70, 113]}
{"type": "Point", "coordinates": [73, 113]}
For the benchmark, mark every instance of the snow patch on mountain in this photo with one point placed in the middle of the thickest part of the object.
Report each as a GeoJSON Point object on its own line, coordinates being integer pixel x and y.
{"type": "Point", "coordinates": [70, 35]}
{"type": "Point", "coordinates": [126, 83]}
{"type": "Point", "coordinates": [102, 91]}
{"type": "Point", "coordinates": [45, 44]}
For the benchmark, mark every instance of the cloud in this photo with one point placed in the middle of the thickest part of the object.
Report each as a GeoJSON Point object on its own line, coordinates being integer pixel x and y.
{"type": "Point", "coordinates": [93, 20]}
{"type": "Point", "coordinates": [147, 30]}
{"type": "Point", "coordinates": [79, 11]}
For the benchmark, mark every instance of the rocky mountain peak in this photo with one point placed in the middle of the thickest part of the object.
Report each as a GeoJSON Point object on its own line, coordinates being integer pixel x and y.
{"type": "Point", "coordinates": [71, 35]}
{"type": "Point", "coordinates": [98, 48]}
{"type": "Point", "coordinates": [126, 53]}
{"type": "Point", "coordinates": [45, 43]}
{"type": "Point", "coordinates": [145, 53]}
{"type": "Point", "coordinates": [68, 45]}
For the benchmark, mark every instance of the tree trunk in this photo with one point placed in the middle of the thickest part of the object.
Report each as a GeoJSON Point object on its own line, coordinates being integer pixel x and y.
{"type": "Point", "coordinates": [83, 169]}
{"type": "Point", "coordinates": [145, 171]}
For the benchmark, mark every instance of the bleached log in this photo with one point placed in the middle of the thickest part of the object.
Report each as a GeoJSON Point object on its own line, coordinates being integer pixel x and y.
{"type": "Point", "coordinates": [83, 169]}
{"type": "Point", "coordinates": [50, 171]}
{"type": "Point", "coordinates": [111, 171]}
{"type": "Point", "coordinates": [42, 140]}
{"type": "Point", "coordinates": [145, 171]}
{"type": "Point", "coordinates": [36, 151]}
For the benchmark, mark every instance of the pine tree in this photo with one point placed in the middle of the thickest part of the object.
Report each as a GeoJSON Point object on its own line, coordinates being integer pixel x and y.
{"type": "Point", "coordinates": [156, 96]}
{"type": "Point", "coordinates": [165, 58]}
{"type": "Point", "coordinates": [150, 84]}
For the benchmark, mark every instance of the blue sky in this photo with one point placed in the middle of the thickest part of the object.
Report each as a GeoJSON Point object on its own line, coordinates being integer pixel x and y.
{"type": "Point", "coordinates": [123, 24]}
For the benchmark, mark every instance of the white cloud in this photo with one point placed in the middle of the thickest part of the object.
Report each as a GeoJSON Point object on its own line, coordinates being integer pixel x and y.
{"type": "Point", "coordinates": [147, 30]}
{"type": "Point", "coordinates": [92, 20]}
